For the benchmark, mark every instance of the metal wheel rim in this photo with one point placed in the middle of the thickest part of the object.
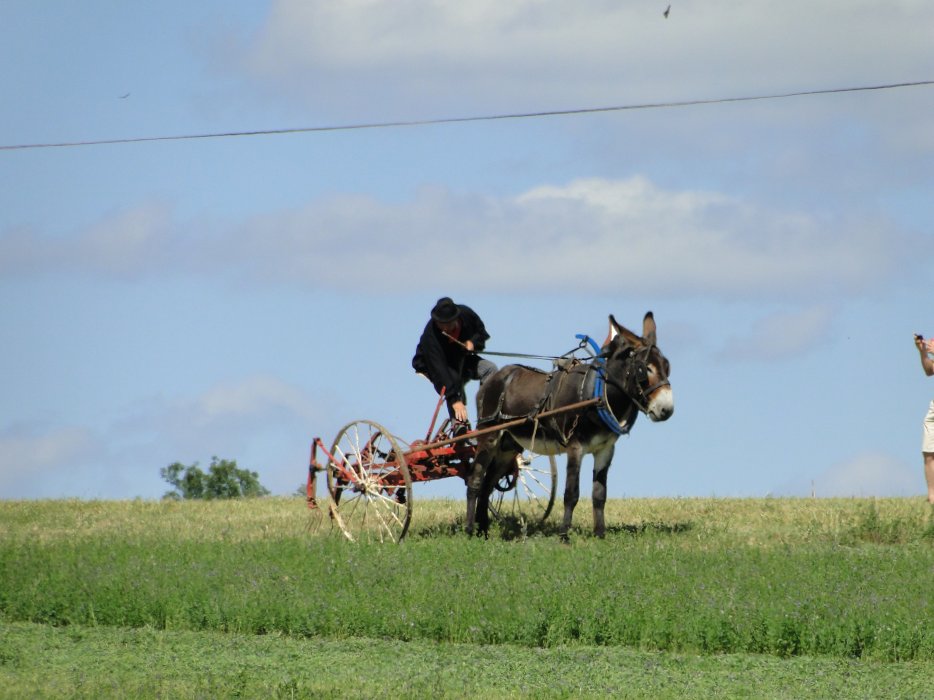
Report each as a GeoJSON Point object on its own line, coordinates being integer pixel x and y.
{"type": "Point", "coordinates": [534, 494]}
{"type": "Point", "coordinates": [359, 507]}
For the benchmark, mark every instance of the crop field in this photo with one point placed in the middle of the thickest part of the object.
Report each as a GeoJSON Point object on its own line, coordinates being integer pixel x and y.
{"type": "Point", "coordinates": [261, 598]}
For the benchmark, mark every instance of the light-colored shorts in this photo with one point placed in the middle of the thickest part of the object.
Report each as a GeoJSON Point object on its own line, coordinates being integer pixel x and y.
{"type": "Point", "coordinates": [927, 442]}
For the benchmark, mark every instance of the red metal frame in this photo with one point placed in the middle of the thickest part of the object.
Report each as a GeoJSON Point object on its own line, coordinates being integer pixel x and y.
{"type": "Point", "coordinates": [438, 457]}
{"type": "Point", "coordinates": [433, 458]}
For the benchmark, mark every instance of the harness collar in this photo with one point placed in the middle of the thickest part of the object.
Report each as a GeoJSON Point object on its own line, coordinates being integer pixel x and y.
{"type": "Point", "coordinates": [598, 367]}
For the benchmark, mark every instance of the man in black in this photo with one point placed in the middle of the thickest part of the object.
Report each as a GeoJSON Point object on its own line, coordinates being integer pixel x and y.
{"type": "Point", "coordinates": [446, 353]}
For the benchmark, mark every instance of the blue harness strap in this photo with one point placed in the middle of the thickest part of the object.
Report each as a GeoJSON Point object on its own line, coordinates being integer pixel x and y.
{"type": "Point", "coordinates": [587, 339]}
{"type": "Point", "coordinates": [599, 388]}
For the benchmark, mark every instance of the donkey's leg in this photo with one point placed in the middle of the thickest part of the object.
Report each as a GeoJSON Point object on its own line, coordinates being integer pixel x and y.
{"type": "Point", "coordinates": [486, 449]}
{"type": "Point", "coordinates": [571, 486]}
{"type": "Point", "coordinates": [601, 467]}
{"type": "Point", "coordinates": [483, 499]}
{"type": "Point", "coordinates": [474, 485]}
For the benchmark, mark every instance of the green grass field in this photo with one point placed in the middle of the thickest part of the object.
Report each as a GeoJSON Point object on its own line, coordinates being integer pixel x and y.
{"type": "Point", "coordinates": [702, 597]}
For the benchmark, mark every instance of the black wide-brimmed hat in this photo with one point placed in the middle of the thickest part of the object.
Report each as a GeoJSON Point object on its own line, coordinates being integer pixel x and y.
{"type": "Point", "coordinates": [445, 311]}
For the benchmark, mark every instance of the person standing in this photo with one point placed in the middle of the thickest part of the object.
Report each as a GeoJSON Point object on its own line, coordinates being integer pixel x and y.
{"type": "Point", "coordinates": [926, 350]}
{"type": "Point", "coordinates": [446, 353]}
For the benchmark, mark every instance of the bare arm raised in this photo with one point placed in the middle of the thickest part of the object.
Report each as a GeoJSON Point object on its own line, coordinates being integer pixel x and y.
{"type": "Point", "coordinates": [925, 349]}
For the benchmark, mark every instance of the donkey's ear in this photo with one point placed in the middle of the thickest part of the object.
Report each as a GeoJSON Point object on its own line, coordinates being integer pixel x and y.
{"type": "Point", "coordinates": [648, 329]}
{"type": "Point", "coordinates": [628, 336]}
{"type": "Point", "coordinates": [612, 332]}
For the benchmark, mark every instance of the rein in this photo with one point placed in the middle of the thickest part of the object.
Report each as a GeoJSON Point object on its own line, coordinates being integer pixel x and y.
{"type": "Point", "coordinates": [519, 354]}
{"type": "Point", "coordinates": [523, 355]}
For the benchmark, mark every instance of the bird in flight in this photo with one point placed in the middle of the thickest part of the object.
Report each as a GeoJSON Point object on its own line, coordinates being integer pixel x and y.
{"type": "Point", "coordinates": [123, 97]}
{"type": "Point", "coordinates": [667, 10]}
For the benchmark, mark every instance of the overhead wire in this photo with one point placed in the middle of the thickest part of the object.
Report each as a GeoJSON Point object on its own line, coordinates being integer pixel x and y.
{"type": "Point", "coordinates": [460, 120]}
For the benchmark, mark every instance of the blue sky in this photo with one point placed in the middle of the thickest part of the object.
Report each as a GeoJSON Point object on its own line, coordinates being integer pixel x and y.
{"type": "Point", "coordinates": [174, 300]}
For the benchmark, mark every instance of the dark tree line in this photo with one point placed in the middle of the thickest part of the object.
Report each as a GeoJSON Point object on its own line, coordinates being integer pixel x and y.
{"type": "Point", "coordinates": [222, 480]}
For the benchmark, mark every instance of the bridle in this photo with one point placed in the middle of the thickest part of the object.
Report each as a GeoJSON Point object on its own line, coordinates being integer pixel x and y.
{"type": "Point", "coordinates": [635, 375]}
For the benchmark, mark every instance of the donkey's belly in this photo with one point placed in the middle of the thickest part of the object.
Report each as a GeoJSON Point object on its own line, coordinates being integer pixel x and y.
{"type": "Point", "coordinates": [540, 446]}
{"type": "Point", "coordinates": [544, 446]}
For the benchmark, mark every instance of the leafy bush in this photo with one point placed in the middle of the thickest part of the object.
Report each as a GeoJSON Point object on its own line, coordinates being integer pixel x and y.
{"type": "Point", "coordinates": [223, 480]}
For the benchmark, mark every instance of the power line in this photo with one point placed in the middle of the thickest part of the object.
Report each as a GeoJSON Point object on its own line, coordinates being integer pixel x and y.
{"type": "Point", "coordinates": [459, 120]}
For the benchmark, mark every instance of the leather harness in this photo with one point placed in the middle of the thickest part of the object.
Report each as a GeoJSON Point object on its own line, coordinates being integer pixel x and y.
{"type": "Point", "coordinates": [593, 384]}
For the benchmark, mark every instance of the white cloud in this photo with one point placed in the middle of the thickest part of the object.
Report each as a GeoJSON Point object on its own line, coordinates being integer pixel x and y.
{"type": "Point", "coordinates": [258, 397]}
{"type": "Point", "coordinates": [780, 335]}
{"type": "Point", "coordinates": [610, 236]}
{"type": "Point", "coordinates": [869, 474]}
{"type": "Point", "coordinates": [368, 56]}
{"type": "Point", "coordinates": [32, 455]}
{"type": "Point", "coordinates": [260, 421]}
{"type": "Point", "coordinates": [127, 241]}
{"type": "Point", "coordinates": [123, 244]}
{"type": "Point", "coordinates": [31, 450]}
{"type": "Point", "coordinates": [223, 419]}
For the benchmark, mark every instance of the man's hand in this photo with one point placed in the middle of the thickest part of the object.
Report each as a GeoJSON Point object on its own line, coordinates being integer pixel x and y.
{"type": "Point", "coordinates": [926, 349]}
{"type": "Point", "coordinates": [468, 346]}
{"type": "Point", "coordinates": [460, 411]}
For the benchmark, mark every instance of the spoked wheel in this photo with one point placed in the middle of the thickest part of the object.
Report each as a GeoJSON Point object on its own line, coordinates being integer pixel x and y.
{"type": "Point", "coordinates": [528, 492]}
{"type": "Point", "coordinates": [369, 485]}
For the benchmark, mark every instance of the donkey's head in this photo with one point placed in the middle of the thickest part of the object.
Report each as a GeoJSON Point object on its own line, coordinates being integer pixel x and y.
{"type": "Point", "coordinates": [637, 367]}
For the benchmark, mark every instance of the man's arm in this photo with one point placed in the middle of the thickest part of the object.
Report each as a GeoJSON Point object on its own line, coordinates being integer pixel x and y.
{"type": "Point", "coordinates": [925, 347]}
{"type": "Point", "coordinates": [478, 336]}
{"type": "Point", "coordinates": [435, 366]}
